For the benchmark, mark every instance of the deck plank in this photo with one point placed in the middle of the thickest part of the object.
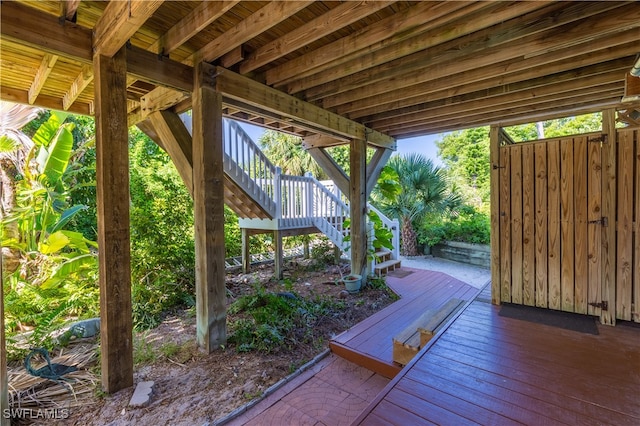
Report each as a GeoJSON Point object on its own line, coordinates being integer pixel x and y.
{"type": "Point", "coordinates": [496, 370]}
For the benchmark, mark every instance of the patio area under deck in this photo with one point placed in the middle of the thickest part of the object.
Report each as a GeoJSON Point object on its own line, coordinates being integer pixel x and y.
{"type": "Point", "coordinates": [485, 368]}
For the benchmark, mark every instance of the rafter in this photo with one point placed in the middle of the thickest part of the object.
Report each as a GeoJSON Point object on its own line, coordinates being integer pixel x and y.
{"type": "Point", "coordinates": [44, 101]}
{"type": "Point", "coordinates": [471, 19]}
{"type": "Point", "coordinates": [119, 21]}
{"type": "Point", "coordinates": [77, 87]}
{"type": "Point", "coordinates": [198, 19]}
{"type": "Point", "coordinates": [46, 65]}
{"type": "Point", "coordinates": [406, 21]}
{"type": "Point", "coordinates": [441, 48]}
{"type": "Point", "coordinates": [343, 15]}
{"type": "Point", "coordinates": [258, 22]}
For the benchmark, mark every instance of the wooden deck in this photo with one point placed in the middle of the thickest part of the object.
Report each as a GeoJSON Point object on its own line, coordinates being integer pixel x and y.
{"type": "Point", "coordinates": [488, 369]}
{"type": "Point", "coordinates": [369, 343]}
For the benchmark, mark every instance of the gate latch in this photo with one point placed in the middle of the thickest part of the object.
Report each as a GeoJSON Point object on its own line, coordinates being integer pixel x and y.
{"type": "Point", "coordinates": [604, 305]}
{"type": "Point", "coordinates": [602, 221]}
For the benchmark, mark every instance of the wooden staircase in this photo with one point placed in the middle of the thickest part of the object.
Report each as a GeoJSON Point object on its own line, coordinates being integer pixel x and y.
{"type": "Point", "coordinates": [384, 263]}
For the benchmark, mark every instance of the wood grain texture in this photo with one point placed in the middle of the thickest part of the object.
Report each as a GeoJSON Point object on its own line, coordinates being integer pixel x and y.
{"type": "Point", "coordinates": [542, 277]}
{"type": "Point", "coordinates": [495, 191]}
{"type": "Point", "coordinates": [515, 152]}
{"type": "Point", "coordinates": [112, 181]}
{"type": "Point", "coordinates": [553, 227]}
{"type": "Point", "coordinates": [528, 226]}
{"type": "Point", "coordinates": [567, 226]}
{"type": "Point", "coordinates": [580, 185]}
{"type": "Point", "coordinates": [624, 228]}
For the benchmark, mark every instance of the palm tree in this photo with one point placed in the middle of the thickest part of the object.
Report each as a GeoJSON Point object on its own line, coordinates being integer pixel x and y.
{"type": "Point", "coordinates": [424, 191]}
{"type": "Point", "coordinates": [286, 152]}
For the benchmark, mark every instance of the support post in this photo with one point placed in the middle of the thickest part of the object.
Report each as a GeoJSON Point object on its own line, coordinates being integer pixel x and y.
{"type": "Point", "coordinates": [112, 178]}
{"type": "Point", "coordinates": [208, 209]}
{"type": "Point", "coordinates": [358, 206]}
{"type": "Point", "coordinates": [278, 256]}
{"type": "Point", "coordinates": [494, 150]}
{"type": "Point", "coordinates": [609, 188]}
{"type": "Point", "coordinates": [246, 250]}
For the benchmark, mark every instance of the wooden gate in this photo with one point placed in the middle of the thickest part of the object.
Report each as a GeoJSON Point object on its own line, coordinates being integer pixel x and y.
{"type": "Point", "coordinates": [561, 238]}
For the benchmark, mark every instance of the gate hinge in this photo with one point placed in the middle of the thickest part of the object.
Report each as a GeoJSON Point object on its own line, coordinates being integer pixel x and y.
{"type": "Point", "coordinates": [599, 139]}
{"type": "Point", "coordinates": [604, 305]}
{"type": "Point", "coordinates": [604, 221]}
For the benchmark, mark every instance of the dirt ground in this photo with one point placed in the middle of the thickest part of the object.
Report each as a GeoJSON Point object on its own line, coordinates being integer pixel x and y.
{"type": "Point", "coordinates": [193, 388]}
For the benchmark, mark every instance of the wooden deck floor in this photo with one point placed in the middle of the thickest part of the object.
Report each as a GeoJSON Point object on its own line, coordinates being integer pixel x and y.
{"type": "Point", "coordinates": [488, 369]}
{"type": "Point", "coordinates": [369, 343]}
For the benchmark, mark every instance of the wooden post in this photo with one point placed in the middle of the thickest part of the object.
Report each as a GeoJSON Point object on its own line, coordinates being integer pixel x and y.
{"type": "Point", "coordinates": [609, 184]}
{"type": "Point", "coordinates": [358, 206]}
{"type": "Point", "coordinates": [278, 256]}
{"type": "Point", "coordinates": [4, 385]}
{"type": "Point", "coordinates": [246, 250]}
{"type": "Point", "coordinates": [112, 178]}
{"type": "Point", "coordinates": [208, 209]}
{"type": "Point", "coordinates": [495, 213]}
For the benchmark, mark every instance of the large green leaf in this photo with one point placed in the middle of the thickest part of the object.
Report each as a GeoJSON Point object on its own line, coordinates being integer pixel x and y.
{"type": "Point", "coordinates": [47, 130]}
{"type": "Point", "coordinates": [59, 154]}
{"type": "Point", "coordinates": [7, 144]}
{"type": "Point", "coordinates": [68, 268]}
{"type": "Point", "coordinates": [66, 216]}
{"type": "Point", "coordinates": [54, 243]}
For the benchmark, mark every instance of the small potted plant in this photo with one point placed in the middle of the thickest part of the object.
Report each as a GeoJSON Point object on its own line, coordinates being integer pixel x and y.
{"type": "Point", "coordinates": [352, 282]}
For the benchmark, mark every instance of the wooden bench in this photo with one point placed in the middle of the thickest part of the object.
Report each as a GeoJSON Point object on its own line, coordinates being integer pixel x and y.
{"type": "Point", "coordinates": [407, 343]}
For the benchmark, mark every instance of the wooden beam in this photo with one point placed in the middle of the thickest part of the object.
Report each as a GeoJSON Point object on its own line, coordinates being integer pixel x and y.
{"type": "Point", "coordinates": [325, 24]}
{"type": "Point", "coordinates": [236, 86]}
{"type": "Point", "coordinates": [440, 29]}
{"type": "Point", "coordinates": [340, 50]}
{"type": "Point", "coordinates": [494, 154]}
{"type": "Point", "coordinates": [44, 101]}
{"type": "Point", "coordinates": [160, 99]}
{"type": "Point", "coordinates": [77, 87]}
{"type": "Point", "coordinates": [46, 65]}
{"type": "Point", "coordinates": [112, 178]}
{"type": "Point", "coordinates": [69, 9]}
{"type": "Point", "coordinates": [177, 142]}
{"type": "Point", "coordinates": [208, 208]}
{"type": "Point", "coordinates": [260, 21]}
{"type": "Point", "coordinates": [609, 197]}
{"type": "Point", "coordinates": [119, 21]}
{"type": "Point", "coordinates": [332, 169]}
{"type": "Point", "coordinates": [194, 22]}
{"type": "Point", "coordinates": [358, 207]}
{"type": "Point", "coordinates": [232, 57]}
{"type": "Point", "coordinates": [147, 66]}
{"type": "Point", "coordinates": [377, 162]}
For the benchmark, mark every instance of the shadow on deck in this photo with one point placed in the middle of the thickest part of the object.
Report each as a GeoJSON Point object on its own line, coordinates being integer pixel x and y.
{"type": "Point", "coordinates": [370, 343]}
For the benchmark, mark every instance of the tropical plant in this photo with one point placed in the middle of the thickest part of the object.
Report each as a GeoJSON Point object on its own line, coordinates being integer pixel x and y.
{"type": "Point", "coordinates": [424, 191]}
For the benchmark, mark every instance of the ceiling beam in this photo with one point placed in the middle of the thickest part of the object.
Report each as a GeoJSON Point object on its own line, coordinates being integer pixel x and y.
{"type": "Point", "coordinates": [322, 141]}
{"type": "Point", "coordinates": [407, 21]}
{"type": "Point", "coordinates": [260, 21]}
{"type": "Point", "coordinates": [443, 50]}
{"type": "Point", "coordinates": [236, 86]}
{"type": "Point", "coordinates": [147, 66]}
{"type": "Point", "coordinates": [49, 102]}
{"type": "Point", "coordinates": [119, 21]}
{"type": "Point", "coordinates": [194, 22]}
{"type": "Point", "coordinates": [325, 24]}
{"type": "Point", "coordinates": [69, 9]}
{"type": "Point", "coordinates": [448, 28]}
{"type": "Point", "coordinates": [84, 78]}
{"type": "Point", "coordinates": [46, 65]}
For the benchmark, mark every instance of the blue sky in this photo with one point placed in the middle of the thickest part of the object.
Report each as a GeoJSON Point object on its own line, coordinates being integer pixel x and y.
{"type": "Point", "coordinates": [425, 145]}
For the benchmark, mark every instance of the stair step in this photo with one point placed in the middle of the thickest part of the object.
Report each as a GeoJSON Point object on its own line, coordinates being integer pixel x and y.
{"type": "Point", "coordinates": [382, 255]}
{"type": "Point", "coordinates": [385, 267]}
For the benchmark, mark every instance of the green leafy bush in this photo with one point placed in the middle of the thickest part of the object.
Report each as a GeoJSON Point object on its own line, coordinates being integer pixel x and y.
{"type": "Point", "coordinates": [469, 226]}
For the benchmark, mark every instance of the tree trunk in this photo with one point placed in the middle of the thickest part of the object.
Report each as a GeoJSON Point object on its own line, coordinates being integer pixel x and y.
{"type": "Point", "coordinates": [409, 238]}
{"type": "Point", "coordinates": [8, 175]}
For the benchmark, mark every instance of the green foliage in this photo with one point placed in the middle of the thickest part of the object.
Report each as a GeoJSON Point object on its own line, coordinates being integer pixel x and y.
{"type": "Point", "coordinates": [266, 321]}
{"type": "Point", "coordinates": [286, 152]}
{"type": "Point", "coordinates": [469, 226]}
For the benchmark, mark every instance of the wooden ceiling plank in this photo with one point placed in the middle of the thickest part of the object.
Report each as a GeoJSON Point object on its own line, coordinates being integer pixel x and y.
{"type": "Point", "coordinates": [487, 59]}
{"type": "Point", "coordinates": [500, 73]}
{"type": "Point", "coordinates": [336, 18]}
{"type": "Point", "coordinates": [119, 21]}
{"type": "Point", "coordinates": [46, 65]}
{"type": "Point", "coordinates": [445, 49]}
{"type": "Point", "coordinates": [402, 25]}
{"type": "Point", "coordinates": [448, 28]}
{"type": "Point", "coordinates": [236, 86]}
{"type": "Point", "coordinates": [49, 102]}
{"type": "Point", "coordinates": [77, 87]}
{"type": "Point", "coordinates": [260, 21]}
{"type": "Point", "coordinates": [194, 22]}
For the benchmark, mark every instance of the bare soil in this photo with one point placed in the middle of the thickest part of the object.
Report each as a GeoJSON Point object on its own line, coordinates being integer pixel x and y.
{"type": "Point", "coordinates": [194, 388]}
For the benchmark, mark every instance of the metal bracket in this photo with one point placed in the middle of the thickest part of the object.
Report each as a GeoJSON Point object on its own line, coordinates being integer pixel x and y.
{"type": "Point", "coordinates": [496, 167]}
{"type": "Point", "coordinates": [604, 305]}
{"type": "Point", "coordinates": [599, 139]}
{"type": "Point", "coordinates": [602, 221]}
